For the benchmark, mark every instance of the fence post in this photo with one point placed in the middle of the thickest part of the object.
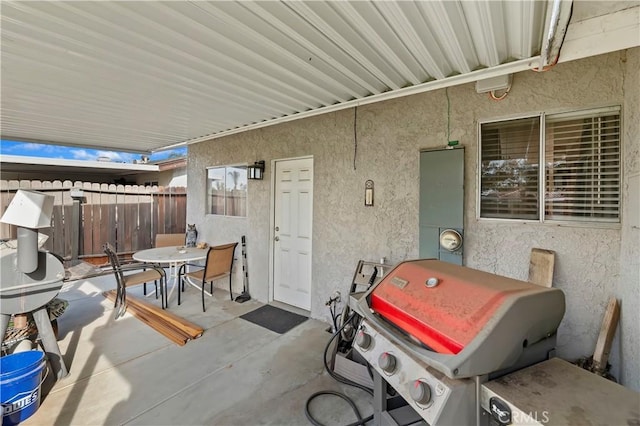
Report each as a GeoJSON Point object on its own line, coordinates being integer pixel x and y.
{"type": "Point", "coordinates": [77, 195]}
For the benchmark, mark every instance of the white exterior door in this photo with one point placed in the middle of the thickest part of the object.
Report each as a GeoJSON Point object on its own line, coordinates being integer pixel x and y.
{"type": "Point", "coordinates": [292, 232]}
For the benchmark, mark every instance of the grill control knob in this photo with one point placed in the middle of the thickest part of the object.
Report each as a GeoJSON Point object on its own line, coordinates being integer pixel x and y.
{"type": "Point", "coordinates": [363, 340]}
{"type": "Point", "coordinates": [387, 362]}
{"type": "Point", "coordinates": [420, 392]}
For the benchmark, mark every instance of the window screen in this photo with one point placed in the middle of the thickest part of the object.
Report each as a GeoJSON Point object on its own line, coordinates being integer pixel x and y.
{"type": "Point", "coordinates": [510, 151]}
{"type": "Point", "coordinates": [581, 167]}
{"type": "Point", "coordinates": [236, 191]}
{"type": "Point", "coordinates": [215, 190]}
{"type": "Point", "coordinates": [227, 191]}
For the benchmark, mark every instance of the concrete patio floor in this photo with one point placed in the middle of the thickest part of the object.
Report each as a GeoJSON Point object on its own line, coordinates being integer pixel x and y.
{"type": "Point", "coordinates": [238, 373]}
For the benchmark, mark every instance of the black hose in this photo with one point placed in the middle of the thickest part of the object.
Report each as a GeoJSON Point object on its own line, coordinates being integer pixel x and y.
{"type": "Point", "coordinates": [340, 379]}
{"type": "Point", "coordinates": [313, 421]}
{"type": "Point", "coordinates": [332, 373]}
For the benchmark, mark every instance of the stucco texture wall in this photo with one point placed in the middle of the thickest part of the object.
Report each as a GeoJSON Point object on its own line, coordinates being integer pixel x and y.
{"type": "Point", "coordinates": [627, 343]}
{"type": "Point", "coordinates": [390, 135]}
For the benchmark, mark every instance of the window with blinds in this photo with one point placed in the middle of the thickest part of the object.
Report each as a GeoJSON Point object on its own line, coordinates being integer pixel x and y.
{"type": "Point", "coordinates": [510, 154]}
{"type": "Point", "coordinates": [581, 167]}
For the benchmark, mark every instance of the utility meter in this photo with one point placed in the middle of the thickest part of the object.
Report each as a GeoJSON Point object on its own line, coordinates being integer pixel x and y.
{"type": "Point", "coordinates": [450, 240]}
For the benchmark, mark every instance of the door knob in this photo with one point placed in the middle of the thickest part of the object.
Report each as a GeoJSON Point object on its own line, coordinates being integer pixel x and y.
{"type": "Point", "coordinates": [277, 238]}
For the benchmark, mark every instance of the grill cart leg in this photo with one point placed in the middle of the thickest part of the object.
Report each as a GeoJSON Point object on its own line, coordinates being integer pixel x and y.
{"type": "Point", "coordinates": [41, 317]}
{"type": "Point", "coordinates": [4, 323]}
{"type": "Point", "coordinates": [379, 397]}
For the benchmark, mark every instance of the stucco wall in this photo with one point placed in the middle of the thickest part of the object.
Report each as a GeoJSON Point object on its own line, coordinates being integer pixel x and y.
{"type": "Point", "coordinates": [589, 264]}
{"type": "Point", "coordinates": [627, 342]}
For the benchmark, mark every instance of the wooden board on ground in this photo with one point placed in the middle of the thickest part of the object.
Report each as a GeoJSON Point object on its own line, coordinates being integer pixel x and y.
{"type": "Point", "coordinates": [153, 322]}
{"type": "Point", "coordinates": [186, 327]}
{"type": "Point", "coordinates": [175, 328]}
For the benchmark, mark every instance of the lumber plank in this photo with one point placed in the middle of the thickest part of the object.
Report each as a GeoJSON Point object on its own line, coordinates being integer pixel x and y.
{"type": "Point", "coordinates": [541, 266]}
{"type": "Point", "coordinates": [607, 331]}
{"type": "Point", "coordinates": [151, 320]}
{"type": "Point", "coordinates": [163, 328]}
{"type": "Point", "coordinates": [187, 327]}
{"type": "Point", "coordinates": [167, 319]}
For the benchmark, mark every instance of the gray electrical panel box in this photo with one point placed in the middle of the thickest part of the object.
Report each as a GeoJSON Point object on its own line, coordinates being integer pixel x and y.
{"type": "Point", "coordinates": [442, 205]}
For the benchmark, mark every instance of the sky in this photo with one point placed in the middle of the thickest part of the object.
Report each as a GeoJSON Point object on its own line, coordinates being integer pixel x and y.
{"type": "Point", "coordinates": [76, 153]}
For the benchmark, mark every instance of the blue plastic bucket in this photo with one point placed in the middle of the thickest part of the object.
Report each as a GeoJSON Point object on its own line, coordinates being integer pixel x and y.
{"type": "Point", "coordinates": [20, 380]}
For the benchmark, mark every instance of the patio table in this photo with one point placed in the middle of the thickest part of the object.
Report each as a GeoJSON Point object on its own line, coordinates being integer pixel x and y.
{"type": "Point", "coordinates": [174, 256]}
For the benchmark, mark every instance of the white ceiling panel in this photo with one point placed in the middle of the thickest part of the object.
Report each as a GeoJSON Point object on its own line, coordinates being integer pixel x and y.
{"type": "Point", "coordinates": [143, 76]}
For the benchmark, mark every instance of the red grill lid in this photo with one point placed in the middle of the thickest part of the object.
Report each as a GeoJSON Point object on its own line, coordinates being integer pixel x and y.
{"type": "Point", "coordinates": [449, 315]}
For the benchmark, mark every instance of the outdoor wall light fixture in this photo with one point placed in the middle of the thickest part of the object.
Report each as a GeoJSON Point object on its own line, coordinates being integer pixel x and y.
{"type": "Point", "coordinates": [256, 170]}
{"type": "Point", "coordinates": [368, 193]}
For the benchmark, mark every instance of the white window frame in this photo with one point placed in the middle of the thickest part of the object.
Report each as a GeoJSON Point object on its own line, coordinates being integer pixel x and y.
{"type": "Point", "coordinates": [590, 222]}
{"type": "Point", "coordinates": [207, 205]}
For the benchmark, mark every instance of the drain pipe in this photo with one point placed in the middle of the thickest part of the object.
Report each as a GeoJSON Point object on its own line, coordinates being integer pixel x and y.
{"type": "Point", "coordinates": [558, 23]}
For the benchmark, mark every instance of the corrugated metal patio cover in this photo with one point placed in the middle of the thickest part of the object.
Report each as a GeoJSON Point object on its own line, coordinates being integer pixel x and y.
{"type": "Point", "coordinates": [146, 75]}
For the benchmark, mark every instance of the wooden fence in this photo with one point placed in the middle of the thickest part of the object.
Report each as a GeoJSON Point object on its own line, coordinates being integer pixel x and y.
{"type": "Point", "coordinates": [127, 216]}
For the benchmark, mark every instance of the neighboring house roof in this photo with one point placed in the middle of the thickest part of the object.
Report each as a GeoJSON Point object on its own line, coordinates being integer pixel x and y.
{"type": "Point", "coordinates": [171, 163]}
{"type": "Point", "coordinates": [169, 172]}
{"type": "Point", "coordinates": [17, 163]}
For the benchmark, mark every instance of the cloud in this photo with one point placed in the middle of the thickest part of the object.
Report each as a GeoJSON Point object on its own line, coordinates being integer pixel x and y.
{"type": "Point", "coordinates": [31, 149]}
{"type": "Point", "coordinates": [31, 146]}
{"type": "Point", "coordinates": [58, 151]}
{"type": "Point", "coordinates": [171, 153]}
{"type": "Point", "coordinates": [120, 157]}
{"type": "Point", "coordinates": [94, 155]}
{"type": "Point", "coordinates": [81, 154]}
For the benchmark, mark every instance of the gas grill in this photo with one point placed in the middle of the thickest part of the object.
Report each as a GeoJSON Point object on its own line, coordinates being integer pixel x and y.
{"type": "Point", "coordinates": [435, 332]}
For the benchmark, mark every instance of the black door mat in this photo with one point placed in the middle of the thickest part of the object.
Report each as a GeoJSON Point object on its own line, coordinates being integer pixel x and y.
{"type": "Point", "coordinates": [274, 319]}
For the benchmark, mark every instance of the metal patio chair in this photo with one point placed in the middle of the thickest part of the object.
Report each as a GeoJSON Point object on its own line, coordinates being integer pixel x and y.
{"type": "Point", "coordinates": [147, 272]}
{"type": "Point", "coordinates": [219, 264]}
